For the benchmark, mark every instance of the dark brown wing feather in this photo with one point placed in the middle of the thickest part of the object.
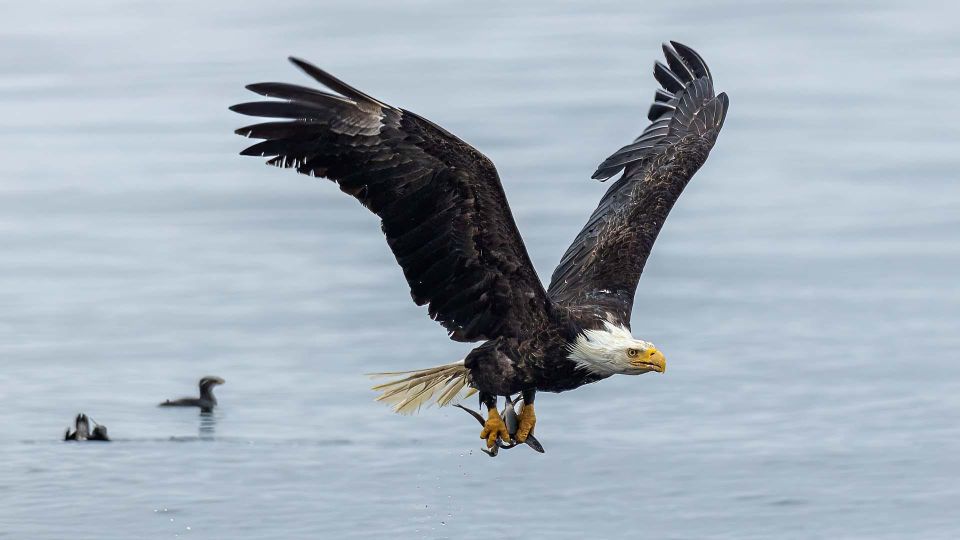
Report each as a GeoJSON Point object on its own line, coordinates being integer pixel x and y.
{"type": "Point", "coordinates": [600, 270]}
{"type": "Point", "coordinates": [442, 207]}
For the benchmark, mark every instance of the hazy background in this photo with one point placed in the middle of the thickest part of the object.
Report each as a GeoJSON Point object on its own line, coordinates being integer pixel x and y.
{"type": "Point", "coordinates": [804, 289]}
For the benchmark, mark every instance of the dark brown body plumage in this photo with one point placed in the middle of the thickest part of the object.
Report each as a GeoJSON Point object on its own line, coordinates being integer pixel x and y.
{"type": "Point", "coordinates": [447, 220]}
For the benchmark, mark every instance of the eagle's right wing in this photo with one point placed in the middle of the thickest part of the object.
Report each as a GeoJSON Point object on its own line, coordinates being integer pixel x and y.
{"type": "Point", "coordinates": [600, 270]}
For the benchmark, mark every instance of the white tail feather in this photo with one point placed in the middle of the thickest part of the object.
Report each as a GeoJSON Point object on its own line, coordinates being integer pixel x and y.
{"type": "Point", "coordinates": [413, 389]}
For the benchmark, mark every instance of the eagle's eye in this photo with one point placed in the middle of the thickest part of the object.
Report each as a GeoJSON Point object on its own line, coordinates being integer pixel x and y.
{"type": "Point", "coordinates": [633, 353]}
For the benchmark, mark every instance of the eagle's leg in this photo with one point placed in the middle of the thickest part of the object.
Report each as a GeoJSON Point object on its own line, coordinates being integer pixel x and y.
{"type": "Point", "coordinates": [494, 427]}
{"type": "Point", "coordinates": [527, 418]}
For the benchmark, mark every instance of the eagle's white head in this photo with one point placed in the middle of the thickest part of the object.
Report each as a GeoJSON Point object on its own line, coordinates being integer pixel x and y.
{"type": "Point", "coordinates": [613, 350]}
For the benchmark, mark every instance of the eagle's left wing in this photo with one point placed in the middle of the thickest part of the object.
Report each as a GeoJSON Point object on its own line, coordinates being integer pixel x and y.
{"type": "Point", "coordinates": [600, 270]}
{"type": "Point", "coordinates": [440, 201]}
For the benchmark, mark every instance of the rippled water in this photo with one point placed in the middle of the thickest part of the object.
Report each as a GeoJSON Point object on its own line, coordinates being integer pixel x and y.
{"type": "Point", "coordinates": [804, 289]}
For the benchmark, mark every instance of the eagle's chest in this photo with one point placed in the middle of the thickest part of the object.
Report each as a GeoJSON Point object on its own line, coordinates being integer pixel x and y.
{"type": "Point", "coordinates": [559, 374]}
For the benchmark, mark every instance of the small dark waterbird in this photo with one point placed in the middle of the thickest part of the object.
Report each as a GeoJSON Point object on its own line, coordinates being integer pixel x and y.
{"type": "Point", "coordinates": [82, 432]}
{"type": "Point", "coordinates": [446, 218]}
{"type": "Point", "coordinates": [206, 402]}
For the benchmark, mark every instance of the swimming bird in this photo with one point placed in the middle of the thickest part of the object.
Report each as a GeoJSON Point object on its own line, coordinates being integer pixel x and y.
{"type": "Point", "coordinates": [99, 433]}
{"type": "Point", "coordinates": [445, 216]}
{"type": "Point", "coordinates": [206, 401]}
{"type": "Point", "coordinates": [82, 430]}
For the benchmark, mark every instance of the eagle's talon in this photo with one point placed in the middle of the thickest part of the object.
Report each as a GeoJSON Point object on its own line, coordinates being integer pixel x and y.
{"type": "Point", "coordinates": [494, 428]}
{"type": "Point", "coordinates": [527, 422]}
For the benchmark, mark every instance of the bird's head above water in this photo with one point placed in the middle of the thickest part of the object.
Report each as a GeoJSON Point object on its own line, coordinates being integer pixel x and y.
{"type": "Point", "coordinates": [612, 349]}
{"type": "Point", "coordinates": [207, 398]}
{"type": "Point", "coordinates": [210, 381]}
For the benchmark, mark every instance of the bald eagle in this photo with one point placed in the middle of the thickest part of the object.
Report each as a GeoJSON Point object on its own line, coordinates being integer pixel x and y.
{"type": "Point", "coordinates": [447, 221]}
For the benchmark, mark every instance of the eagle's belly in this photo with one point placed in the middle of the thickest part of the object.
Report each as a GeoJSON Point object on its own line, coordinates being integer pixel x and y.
{"type": "Point", "coordinates": [505, 368]}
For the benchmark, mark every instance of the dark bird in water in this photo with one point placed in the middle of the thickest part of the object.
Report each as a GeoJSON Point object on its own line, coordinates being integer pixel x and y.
{"type": "Point", "coordinates": [206, 401]}
{"type": "Point", "coordinates": [99, 433]}
{"type": "Point", "coordinates": [81, 430]}
{"type": "Point", "coordinates": [447, 221]}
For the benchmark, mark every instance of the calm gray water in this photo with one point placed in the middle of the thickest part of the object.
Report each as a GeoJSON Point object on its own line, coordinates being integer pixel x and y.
{"type": "Point", "coordinates": [804, 289]}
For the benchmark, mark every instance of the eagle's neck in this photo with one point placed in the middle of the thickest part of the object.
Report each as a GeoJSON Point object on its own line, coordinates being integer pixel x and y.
{"type": "Point", "coordinates": [601, 351]}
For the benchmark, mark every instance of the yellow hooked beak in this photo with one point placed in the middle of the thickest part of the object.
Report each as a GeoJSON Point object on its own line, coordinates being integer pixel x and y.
{"type": "Point", "coordinates": [650, 359]}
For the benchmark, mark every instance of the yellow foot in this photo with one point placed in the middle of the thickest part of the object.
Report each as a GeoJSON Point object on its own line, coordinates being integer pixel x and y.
{"type": "Point", "coordinates": [493, 428]}
{"type": "Point", "coordinates": [527, 421]}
